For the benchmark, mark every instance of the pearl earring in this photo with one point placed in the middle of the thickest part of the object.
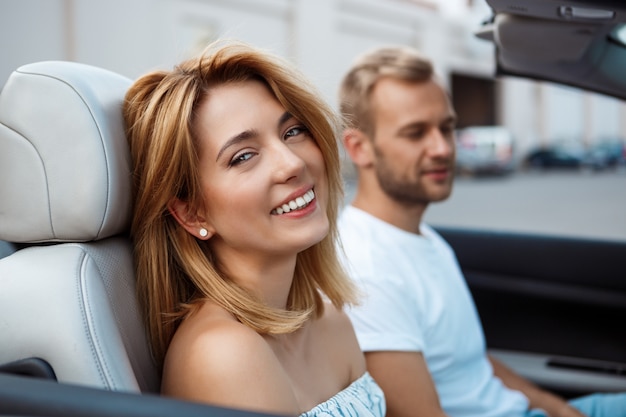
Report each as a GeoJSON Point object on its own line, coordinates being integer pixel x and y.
{"type": "Point", "coordinates": [204, 232]}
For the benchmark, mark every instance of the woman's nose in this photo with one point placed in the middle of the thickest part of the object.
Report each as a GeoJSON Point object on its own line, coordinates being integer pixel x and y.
{"type": "Point", "coordinates": [286, 163]}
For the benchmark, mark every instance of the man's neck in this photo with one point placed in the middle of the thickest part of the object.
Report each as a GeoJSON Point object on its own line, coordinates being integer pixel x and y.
{"type": "Point", "coordinates": [402, 216]}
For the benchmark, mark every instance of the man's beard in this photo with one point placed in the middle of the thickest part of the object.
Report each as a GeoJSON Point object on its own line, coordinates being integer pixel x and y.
{"type": "Point", "coordinates": [403, 189]}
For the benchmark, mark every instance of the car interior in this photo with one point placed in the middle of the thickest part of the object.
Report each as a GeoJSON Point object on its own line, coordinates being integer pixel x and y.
{"type": "Point", "coordinates": [552, 307]}
{"type": "Point", "coordinates": [73, 342]}
{"type": "Point", "coordinates": [581, 43]}
{"type": "Point", "coordinates": [70, 325]}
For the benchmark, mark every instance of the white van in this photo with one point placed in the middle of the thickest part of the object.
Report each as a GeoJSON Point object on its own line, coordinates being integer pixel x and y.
{"type": "Point", "coordinates": [484, 150]}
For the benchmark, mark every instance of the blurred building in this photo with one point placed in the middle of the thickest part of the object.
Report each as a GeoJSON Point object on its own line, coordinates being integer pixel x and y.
{"type": "Point", "coordinates": [322, 37]}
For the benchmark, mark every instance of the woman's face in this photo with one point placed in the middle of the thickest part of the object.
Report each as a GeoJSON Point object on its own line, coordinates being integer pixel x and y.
{"type": "Point", "coordinates": [262, 174]}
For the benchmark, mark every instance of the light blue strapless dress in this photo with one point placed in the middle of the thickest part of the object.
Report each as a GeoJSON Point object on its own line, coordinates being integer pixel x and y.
{"type": "Point", "coordinates": [362, 398]}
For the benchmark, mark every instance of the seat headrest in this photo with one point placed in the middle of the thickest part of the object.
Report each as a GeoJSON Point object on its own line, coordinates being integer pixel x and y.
{"type": "Point", "coordinates": [65, 167]}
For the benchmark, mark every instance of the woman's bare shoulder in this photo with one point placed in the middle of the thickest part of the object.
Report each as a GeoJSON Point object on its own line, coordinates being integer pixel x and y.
{"type": "Point", "coordinates": [335, 328]}
{"type": "Point", "coordinates": [209, 331]}
{"type": "Point", "coordinates": [215, 359]}
{"type": "Point", "coordinates": [335, 321]}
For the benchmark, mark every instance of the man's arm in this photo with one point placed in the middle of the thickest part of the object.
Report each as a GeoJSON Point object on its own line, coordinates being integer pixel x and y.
{"type": "Point", "coordinates": [554, 405]}
{"type": "Point", "coordinates": [407, 384]}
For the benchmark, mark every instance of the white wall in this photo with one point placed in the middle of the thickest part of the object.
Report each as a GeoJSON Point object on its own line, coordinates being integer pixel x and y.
{"type": "Point", "coordinates": [322, 37]}
{"type": "Point", "coordinates": [30, 30]}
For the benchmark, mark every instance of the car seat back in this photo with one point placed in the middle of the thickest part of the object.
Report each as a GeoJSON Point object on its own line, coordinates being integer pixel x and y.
{"type": "Point", "coordinates": [67, 290]}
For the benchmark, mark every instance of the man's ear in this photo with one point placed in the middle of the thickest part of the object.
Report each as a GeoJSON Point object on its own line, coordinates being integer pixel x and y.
{"type": "Point", "coordinates": [189, 219]}
{"type": "Point", "coordinates": [359, 147]}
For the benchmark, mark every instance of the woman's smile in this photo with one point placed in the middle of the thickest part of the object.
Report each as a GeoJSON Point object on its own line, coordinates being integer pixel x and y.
{"type": "Point", "coordinates": [297, 203]}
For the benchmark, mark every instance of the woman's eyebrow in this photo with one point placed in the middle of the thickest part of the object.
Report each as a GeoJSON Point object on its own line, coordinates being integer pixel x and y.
{"type": "Point", "coordinates": [238, 138]}
{"type": "Point", "coordinates": [248, 134]}
{"type": "Point", "coordinates": [286, 116]}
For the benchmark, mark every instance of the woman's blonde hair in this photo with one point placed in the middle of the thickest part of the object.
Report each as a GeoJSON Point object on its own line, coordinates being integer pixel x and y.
{"type": "Point", "coordinates": [175, 271]}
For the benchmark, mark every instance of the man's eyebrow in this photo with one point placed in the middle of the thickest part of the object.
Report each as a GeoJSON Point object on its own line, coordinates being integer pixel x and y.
{"type": "Point", "coordinates": [420, 124]}
{"type": "Point", "coordinates": [245, 135]}
{"type": "Point", "coordinates": [413, 125]}
{"type": "Point", "coordinates": [452, 119]}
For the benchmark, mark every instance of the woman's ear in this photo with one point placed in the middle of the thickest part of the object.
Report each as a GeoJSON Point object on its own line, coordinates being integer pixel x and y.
{"type": "Point", "coordinates": [189, 219]}
{"type": "Point", "coordinates": [359, 147]}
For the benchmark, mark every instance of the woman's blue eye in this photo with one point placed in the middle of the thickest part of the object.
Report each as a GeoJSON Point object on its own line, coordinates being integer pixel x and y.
{"type": "Point", "coordinates": [241, 158]}
{"type": "Point", "coordinates": [295, 131]}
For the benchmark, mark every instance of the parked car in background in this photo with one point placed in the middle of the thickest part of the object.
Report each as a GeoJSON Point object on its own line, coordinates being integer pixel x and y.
{"type": "Point", "coordinates": [484, 150]}
{"type": "Point", "coordinates": [556, 156]}
{"type": "Point", "coordinates": [606, 154]}
{"type": "Point", "coordinates": [598, 156]}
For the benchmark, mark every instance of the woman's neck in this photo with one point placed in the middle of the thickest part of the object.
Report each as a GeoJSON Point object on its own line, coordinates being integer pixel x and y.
{"type": "Point", "coordinates": [269, 277]}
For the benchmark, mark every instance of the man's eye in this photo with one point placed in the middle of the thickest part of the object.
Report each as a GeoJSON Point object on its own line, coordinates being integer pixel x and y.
{"type": "Point", "coordinates": [242, 157]}
{"type": "Point", "coordinates": [447, 130]}
{"type": "Point", "coordinates": [415, 134]}
{"type": "Point", "coordinates": [295, 131]}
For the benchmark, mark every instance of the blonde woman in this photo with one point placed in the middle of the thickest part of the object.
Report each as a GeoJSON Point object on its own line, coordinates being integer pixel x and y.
{"type": "Point", "coordinates": [237, 187]}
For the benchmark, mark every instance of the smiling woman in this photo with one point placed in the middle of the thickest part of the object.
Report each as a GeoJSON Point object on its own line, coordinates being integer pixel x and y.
{"type": "Point", "coordinates": [236, 191]}
{"type": "Point", "coordinates": [251, 164]}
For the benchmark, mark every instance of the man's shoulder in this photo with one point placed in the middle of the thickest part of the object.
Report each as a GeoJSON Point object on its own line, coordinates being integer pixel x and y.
{"type": "Point", "coordinates": [430, 233]}
{"type": "Point", "coordinates": [351, 219]}
{"type": "Point", "coordinates": [356, 231]}
{"type": "Point", "coordinates": [357, 226]}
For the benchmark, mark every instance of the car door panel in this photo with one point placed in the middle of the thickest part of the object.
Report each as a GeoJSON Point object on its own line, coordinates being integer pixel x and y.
{"type": "Point", "coordinates": [552, 308]}
{"type": "Point", "coordinates": [29, 396]}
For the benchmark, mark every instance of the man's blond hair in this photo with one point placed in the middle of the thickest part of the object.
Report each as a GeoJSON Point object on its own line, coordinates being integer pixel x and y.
{"type": "Point", "coordinates": [402, 63]}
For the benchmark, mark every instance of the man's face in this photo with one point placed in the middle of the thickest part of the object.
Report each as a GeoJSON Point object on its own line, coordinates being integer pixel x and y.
{"type": "Point", "coordinates": [413, 140]}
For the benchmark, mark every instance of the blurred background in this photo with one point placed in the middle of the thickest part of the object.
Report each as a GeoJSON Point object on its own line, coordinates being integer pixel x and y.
{"type": "Point", "coordinates": [533, 156]}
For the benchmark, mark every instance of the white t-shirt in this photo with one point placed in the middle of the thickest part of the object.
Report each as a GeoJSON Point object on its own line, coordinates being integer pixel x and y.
{"type": "Point", "coordinates": [416, 299]}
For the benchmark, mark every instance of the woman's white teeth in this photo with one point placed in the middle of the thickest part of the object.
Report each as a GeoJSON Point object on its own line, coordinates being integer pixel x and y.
{"type": "Point", "coordinates": [298, 203]}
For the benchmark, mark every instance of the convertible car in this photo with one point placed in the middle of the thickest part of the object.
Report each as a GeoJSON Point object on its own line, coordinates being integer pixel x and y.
{"type": "Point", "coordinates": [72, 343]}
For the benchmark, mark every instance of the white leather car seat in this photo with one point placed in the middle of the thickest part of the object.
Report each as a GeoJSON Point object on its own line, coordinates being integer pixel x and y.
{"type": "Point", "coordinates": [67, 293]}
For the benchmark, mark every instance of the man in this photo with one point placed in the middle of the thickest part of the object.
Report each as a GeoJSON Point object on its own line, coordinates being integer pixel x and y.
{"type": "Point", "coordinates": [418, 324]}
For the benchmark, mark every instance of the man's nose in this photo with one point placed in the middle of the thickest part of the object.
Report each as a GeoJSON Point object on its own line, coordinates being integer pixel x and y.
{"type": "Point", "coordinates": [441, 144]}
